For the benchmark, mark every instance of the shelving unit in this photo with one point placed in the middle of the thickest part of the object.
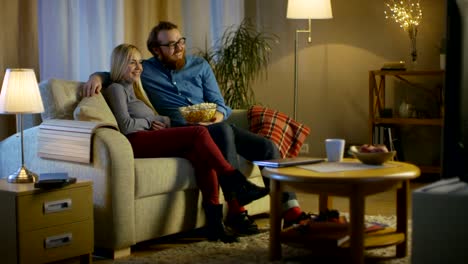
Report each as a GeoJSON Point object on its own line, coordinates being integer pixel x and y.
{"type": "Point", "coordinates": [377, 93]}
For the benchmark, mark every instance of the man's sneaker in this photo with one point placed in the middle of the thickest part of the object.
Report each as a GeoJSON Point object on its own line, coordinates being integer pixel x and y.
{"type": "Point", "coordinates": [301, 220]}
{"type": "Point", "coordinates": [242, 224]}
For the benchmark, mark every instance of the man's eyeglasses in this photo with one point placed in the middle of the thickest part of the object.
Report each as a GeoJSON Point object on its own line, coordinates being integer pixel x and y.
{"type": "Point", "coordinates": [172, 45]}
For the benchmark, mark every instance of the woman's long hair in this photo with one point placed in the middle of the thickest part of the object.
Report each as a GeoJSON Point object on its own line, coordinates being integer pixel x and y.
{"type": "Point", "coordinates": [120, 59]}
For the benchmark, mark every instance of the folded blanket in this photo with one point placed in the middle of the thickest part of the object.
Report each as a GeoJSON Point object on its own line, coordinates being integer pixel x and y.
{"type": "Point", "coordinates": [70, 140]}
{"type": "Point", "coordinates": [285, 132]}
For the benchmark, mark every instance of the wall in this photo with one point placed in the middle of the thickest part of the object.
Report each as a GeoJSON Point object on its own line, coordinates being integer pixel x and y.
{"type": "Point", "coordinates": [18, 49]}
{"type": "Point", "coordinates": [333, 69]}
{"type": "Point", "coordinates": [333, 72]}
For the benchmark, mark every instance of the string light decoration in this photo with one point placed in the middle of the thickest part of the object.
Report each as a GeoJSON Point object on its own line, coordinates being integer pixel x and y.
{"type": "Point", "coordinates": [408, 14]}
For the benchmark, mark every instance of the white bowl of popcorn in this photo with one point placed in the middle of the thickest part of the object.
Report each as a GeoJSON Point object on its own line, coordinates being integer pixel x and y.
{"type": "Point", "coordinates": [203, 112]}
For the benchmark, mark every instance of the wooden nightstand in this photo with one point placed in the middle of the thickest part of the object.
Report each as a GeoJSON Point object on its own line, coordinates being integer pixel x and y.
{"type": "Point", "coordinates": [39, 226]}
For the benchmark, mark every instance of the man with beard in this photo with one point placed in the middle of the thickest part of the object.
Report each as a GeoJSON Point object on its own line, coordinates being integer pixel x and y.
{"type": "Point", "coordinates": [173, 79]}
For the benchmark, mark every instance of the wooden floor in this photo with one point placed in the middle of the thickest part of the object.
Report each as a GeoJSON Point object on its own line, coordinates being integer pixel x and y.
{"type": "Point", "coordinates": [379, 204]}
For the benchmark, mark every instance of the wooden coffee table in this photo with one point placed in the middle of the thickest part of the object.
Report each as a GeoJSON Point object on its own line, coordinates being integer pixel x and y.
{"type": "Point", "coordinates": [355, 184]}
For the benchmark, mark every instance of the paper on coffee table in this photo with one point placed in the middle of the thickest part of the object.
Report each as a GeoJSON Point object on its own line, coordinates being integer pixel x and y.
{"type": "Point", "coordinates": [344, 166]}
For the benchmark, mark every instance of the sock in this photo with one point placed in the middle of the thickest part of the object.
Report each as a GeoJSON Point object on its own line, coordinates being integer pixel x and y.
{"type": "Point", "coordinates": [292, 213]}
{"type": "Point", "coordinates": [234, 208]}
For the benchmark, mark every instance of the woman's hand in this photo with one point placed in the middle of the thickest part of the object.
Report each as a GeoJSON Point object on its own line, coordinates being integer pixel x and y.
{"type": "Point", "coordinates": [158, 125]}
{"type": "Point", "coordinates": [166, 120]}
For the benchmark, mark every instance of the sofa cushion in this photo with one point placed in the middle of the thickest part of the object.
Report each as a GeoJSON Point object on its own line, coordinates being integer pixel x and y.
{"type": "Point", "coordinates": [163, 175]}
{"type": "Point", "coordinates": [94, 109]}
{"type": "Point", "coordinates": [60, 97]}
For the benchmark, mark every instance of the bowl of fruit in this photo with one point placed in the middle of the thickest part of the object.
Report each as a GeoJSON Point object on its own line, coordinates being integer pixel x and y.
{"type": "Point", "coordinates": [203, 112]}
{"type": "Point", "coordinates": [372, 154]}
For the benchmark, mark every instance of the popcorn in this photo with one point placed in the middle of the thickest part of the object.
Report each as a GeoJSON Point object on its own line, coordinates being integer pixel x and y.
{"type": "Point", "coordinates": [203, 112]}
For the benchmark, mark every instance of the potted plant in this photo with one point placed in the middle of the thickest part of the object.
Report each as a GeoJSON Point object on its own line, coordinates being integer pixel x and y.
{"type": "Point", "coordinates": [242, 55]}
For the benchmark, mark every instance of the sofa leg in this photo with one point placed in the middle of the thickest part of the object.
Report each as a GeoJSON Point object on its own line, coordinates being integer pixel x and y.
{"type": "Point", "coordinates": [121, 253]}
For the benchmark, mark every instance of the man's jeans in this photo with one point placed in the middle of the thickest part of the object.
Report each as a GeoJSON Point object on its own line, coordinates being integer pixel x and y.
{"type": "Point", "coordinates": [232, 141]}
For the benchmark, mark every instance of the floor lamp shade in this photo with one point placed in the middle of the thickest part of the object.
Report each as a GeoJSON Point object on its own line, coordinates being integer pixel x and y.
{"type": "Point", "coordinates": [314, 9]}
{"type": "Point", "coordinates": [305, 9]}
{"type": "Point", "coordinates": [20, 95]}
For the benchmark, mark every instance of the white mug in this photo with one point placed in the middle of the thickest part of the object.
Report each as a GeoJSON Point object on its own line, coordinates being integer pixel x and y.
{"type": "Point", "coordinates": [335, 149]}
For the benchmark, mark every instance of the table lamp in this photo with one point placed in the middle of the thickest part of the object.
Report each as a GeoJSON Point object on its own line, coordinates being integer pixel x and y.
{"type": "Point", "coordinates": [305, 9]}
{"type": "Point", "coordinates": [20, 95]}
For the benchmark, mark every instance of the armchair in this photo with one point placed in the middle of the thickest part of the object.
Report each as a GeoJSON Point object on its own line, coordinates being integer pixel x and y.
{"type": "Point", "coordinates": [134, 199]}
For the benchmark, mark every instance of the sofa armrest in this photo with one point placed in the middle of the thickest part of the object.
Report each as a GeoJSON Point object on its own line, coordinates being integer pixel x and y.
{"type": "Point", "coordinates": [239, 118]}
{"type": "Point", "coordinates": [112, 172]}
{"type": "Point", "coordinates": [114, 191]}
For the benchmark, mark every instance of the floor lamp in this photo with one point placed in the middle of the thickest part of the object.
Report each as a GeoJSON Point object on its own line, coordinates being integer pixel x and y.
{"type": "Point", "coordinates": [20, 95]}
{"type": "Point", "coordinates": [305, 9]}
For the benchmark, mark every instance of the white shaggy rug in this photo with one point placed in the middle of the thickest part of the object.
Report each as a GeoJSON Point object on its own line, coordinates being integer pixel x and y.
{"type": "Point", "coordinates": [254, 249]}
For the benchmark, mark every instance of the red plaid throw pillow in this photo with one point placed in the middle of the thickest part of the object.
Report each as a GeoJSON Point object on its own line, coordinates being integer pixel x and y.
{"type": "Point", "coordinates": [285, 132]}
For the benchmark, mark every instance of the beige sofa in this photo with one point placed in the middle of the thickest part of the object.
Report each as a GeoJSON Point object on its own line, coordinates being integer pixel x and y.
{"type": "Point", "coordinates": [134, 199]}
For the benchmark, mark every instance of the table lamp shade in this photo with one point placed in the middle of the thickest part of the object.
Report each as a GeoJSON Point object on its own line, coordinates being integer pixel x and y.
{"type": "Point", "coordinates": [309, 9]}
{"type": "Point", "coordinates": [20, 93]}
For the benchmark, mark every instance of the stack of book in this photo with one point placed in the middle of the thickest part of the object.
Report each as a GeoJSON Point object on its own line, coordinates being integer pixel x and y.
{"type": "Point", "coordinates": [394, 66]}
{"type": "Point", "coordinates": [323, 234]}
{"type": "Point", "coordinates": [374, 227]}
{"type": "Point", "coordinates": [316, 234]}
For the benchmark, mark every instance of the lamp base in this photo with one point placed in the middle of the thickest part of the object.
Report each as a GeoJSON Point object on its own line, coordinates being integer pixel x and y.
{"type": "Point", "coordinates": [23, 175]}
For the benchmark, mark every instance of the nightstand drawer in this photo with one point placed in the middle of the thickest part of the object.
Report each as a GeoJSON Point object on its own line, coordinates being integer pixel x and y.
{"type": "Point", "coordinates": [56, 243]}
{"type": "Point", "coordinates": [57, 207]}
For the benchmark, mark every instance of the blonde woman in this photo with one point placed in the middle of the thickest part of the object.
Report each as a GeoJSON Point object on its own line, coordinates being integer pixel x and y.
{"type": "Point", "coordinates": [151, 136]}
